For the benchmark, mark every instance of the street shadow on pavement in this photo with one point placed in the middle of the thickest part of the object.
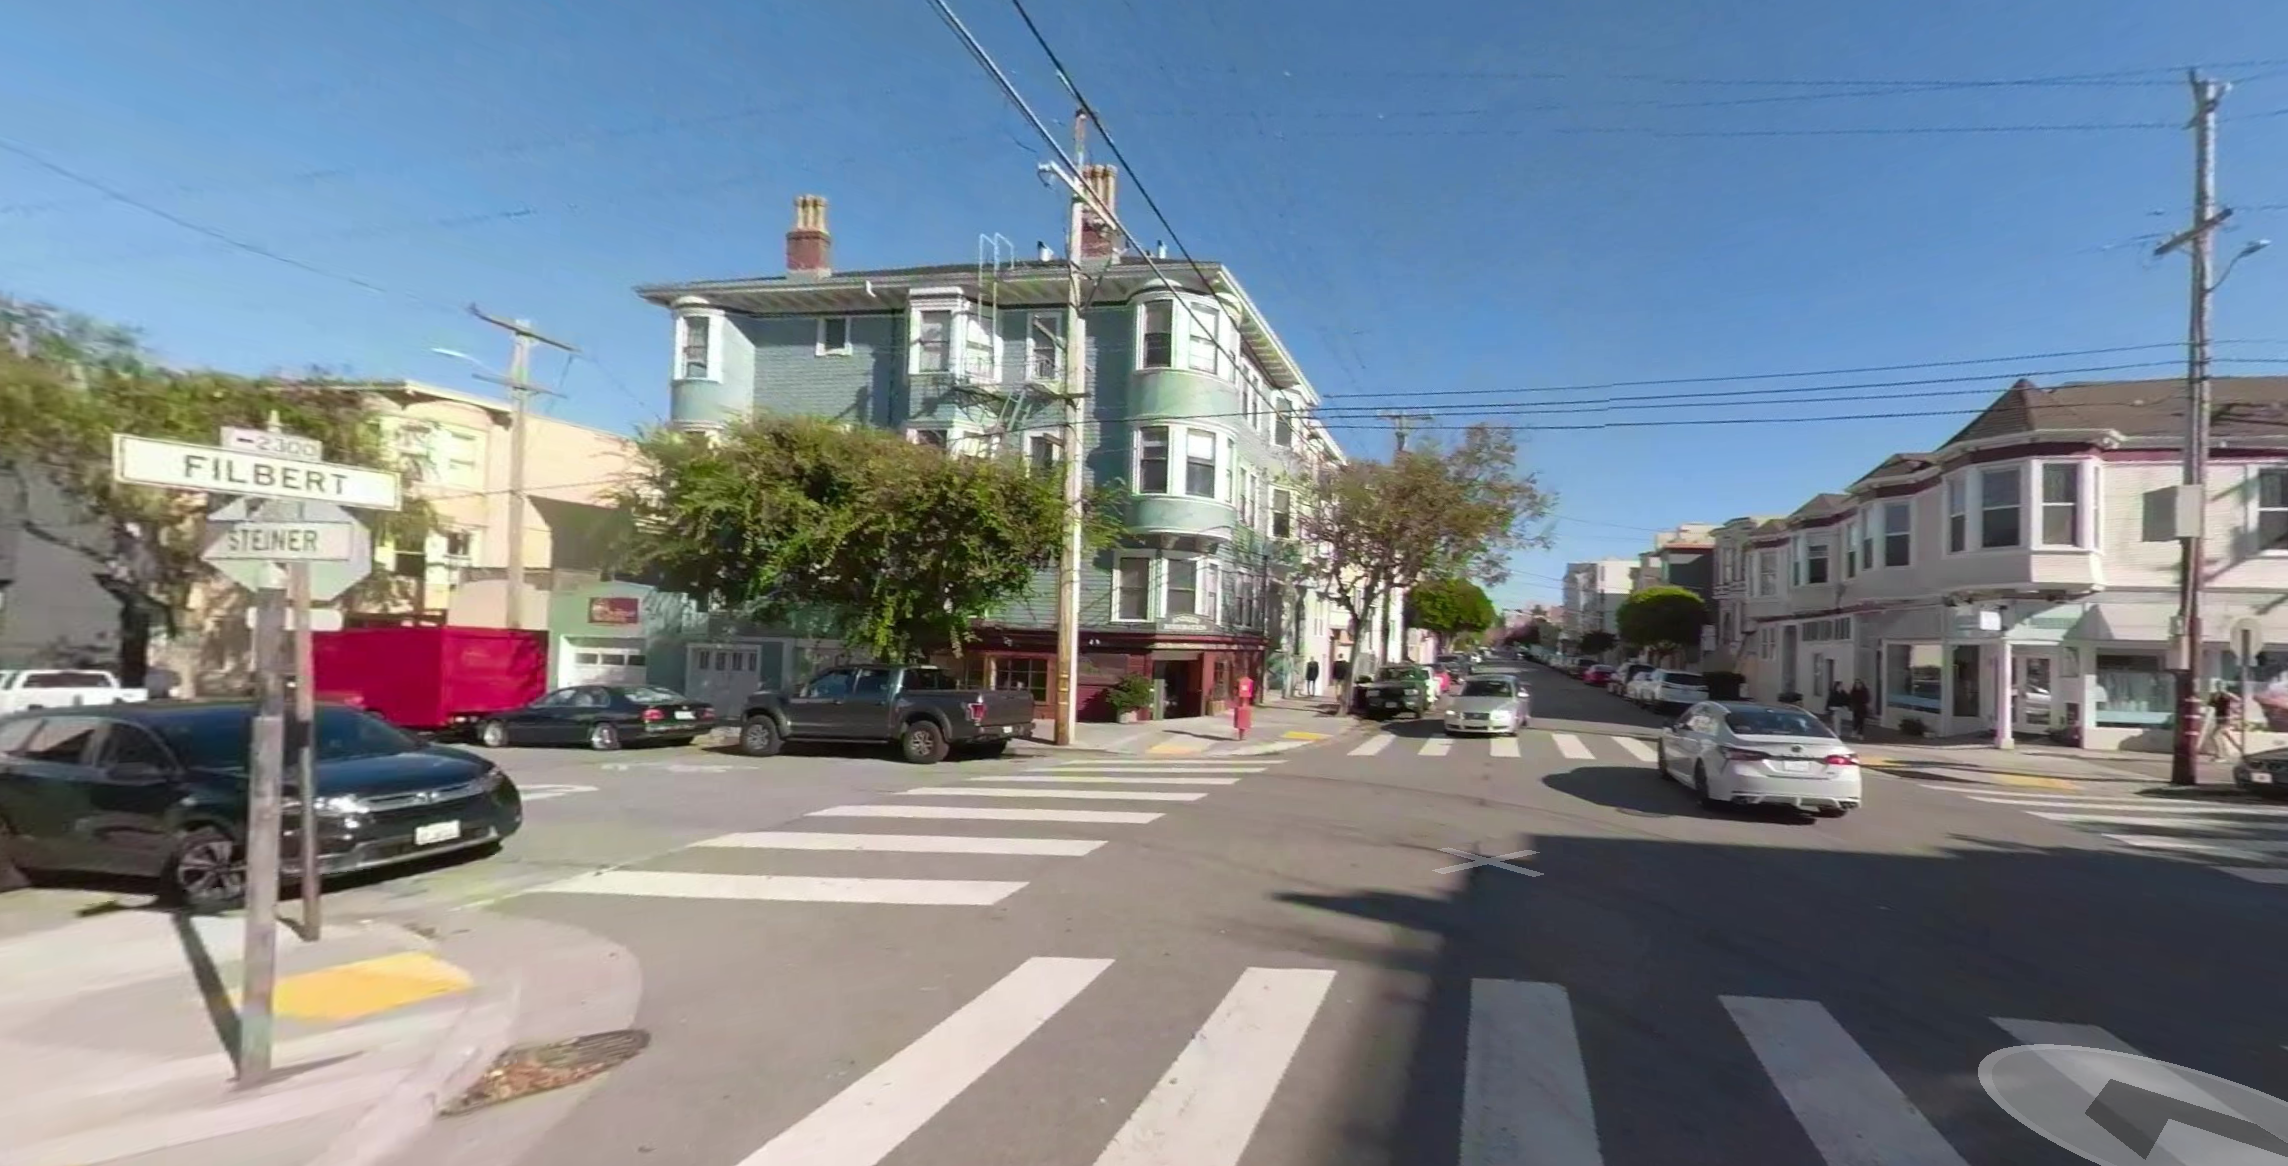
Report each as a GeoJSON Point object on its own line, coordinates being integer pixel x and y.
{"type": "Point", "coordinates": [214, 993]}
{"type": "Point", "coordinates": [1641, 793]}
{"type": "Point", "coordinates": [1655, 942]}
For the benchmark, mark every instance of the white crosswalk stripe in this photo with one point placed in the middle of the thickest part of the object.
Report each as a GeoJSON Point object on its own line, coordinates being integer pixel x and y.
{"type": "Point", "coordinates": [1572, 746]}
{"type": "Point", "coordinates": [1504, 747]}
{"type": "Point", "coordinates": [901, 843]}
{"type": "Point", "coordinates": [1526, 1090]}
{"type": "Point", "coordinates": [1637, 749]}
{"type": "Point", "coordinates": [1533, 746]}
{"type": "Point", "coordinates": [1373, 745]}
{"type": "Point", "coordinates": [1437, 747]}
{"type": "Point", "coordinates": [2199, 828]}
{"type": "Point", "coordinates": [1107, 795]}
{"type": "Point", "coordinates": [1110, 779]}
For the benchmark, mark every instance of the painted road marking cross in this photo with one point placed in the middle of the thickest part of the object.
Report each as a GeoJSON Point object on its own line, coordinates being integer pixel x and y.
{"type": "Point", "coordinates": [1500, 860]}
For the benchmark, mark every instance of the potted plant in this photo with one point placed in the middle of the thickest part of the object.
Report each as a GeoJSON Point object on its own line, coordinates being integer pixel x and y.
{"type": "Point", "coordinates": [1130, 698]}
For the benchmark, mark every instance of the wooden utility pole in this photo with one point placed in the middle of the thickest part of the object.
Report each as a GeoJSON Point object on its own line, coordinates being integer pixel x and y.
{"type": "Point", "coordinates": [520, 390]}
{"type": "Point", "coordinates": [1075, 392]}
{"type": "Point", "coordinates": [1402, 425]}
{"type": "Point", "coordinates": [2198, 240]}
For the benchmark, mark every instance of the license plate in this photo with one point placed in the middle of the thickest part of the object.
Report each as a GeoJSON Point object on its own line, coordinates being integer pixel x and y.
{"type": "Point", "coordinates": [2261, 777]}
{"type": "Point", "coordinates": [1008, 730]}
{"type": "Point", "coordinates": [436, 832]}
{"type": "Point", "coordinates": [1792, 766]}
{"type": "Point", "coordinates": [686, 715]}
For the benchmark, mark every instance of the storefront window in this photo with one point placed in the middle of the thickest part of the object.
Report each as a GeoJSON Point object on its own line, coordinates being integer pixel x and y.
{"type": "Point", "coordinates": [1911, 677]}
{"type": "Point", "coordinates": [2131, 688]}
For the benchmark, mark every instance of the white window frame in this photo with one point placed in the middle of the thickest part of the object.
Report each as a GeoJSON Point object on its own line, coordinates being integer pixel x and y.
{"type": "Point", "coordinates": [960, 440]}
{"type": "Point", "coordinates": [914, 435]}
{"type": "Point", "coordinates": [952, 340]}
{"type": "Point", "coordinates": [1283, 418]}
{"type": "Point", "coordinates": [821, 348]}
{"type": "Point", "coordinates": [2085, 498]}
{"type": "Point", "coordinates": [1282, 506]}
{"type": "Point", "coordinates": [1219, 467]}
{"type": "Point", "coordinates": [1211, 589]}
{"type": "Point", "coordinates": [1825, 558]}
{"type": "Point", "coordinates": [1850, 546]}
{"type": "Point", "coordinates": [2256, 509]}
{"type": "Point", "coordinates": [1151, 586]}
{"type": "Point", "coordinates": [1203, 320]}
{"type": "Point", "coordinates": [716, 322]}
{"type": "Point", "coordinates": [1906, 503]}
{"type": "Point", "coordinates": [1979, 506]}
{"type": "Point", "coordinates": [1957, 490]}
{"type": "Point", "coordinates": [1049, 340]}
{"type": "Point", "coordinates": [1144, 308]}
{"type": "Point", "coordinates": [1165, 569]}
{"type": "Point", "coordinates": [1054, 446]}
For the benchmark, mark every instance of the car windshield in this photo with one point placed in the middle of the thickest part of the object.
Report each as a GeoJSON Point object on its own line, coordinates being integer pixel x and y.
{"type": "Point", "coordinates": [1775, 723]}
{"type": "Point", "coordinates": [646, 694]}
{"type": "Point", "coordinates": [1489, 688]}
{"type": "Point", "coordinates": [1686, 680]}
{"type": "Point", "coordinates": [218, 737]}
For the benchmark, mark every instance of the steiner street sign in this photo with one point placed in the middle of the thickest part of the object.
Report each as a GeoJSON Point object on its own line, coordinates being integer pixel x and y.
{"type": "Point", "coordinates": [284, 542]}
{"type": "Point", "coordinates": [177, 465]}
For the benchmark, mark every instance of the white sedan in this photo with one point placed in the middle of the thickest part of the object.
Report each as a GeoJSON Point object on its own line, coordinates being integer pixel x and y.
{"type": "Point", "coordinates": [1741, 754]}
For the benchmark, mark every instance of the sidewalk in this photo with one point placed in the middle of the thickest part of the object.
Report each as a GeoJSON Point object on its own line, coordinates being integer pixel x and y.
{"type": "Point", "coordinates": [1280, 725]}
{"type": "Point", "coordinates": [115, 1031]}
{"type": "Point", "coordinates": [2036, 764]}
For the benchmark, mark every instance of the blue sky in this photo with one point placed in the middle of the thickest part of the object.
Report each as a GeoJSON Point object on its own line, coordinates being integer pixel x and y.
{"type": "Point", "coordinates": [1463, 208]}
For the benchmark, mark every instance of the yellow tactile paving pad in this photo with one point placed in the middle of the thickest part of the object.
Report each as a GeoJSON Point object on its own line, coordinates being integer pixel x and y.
{"type": "Point", "coordinates": [361, 989]}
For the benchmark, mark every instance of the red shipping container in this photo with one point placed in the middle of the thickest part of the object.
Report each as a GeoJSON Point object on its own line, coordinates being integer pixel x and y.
{"type": "Point", "coordinates": [425, 678]}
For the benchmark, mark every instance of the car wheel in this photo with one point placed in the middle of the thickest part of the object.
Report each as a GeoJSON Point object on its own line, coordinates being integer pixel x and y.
{"type": "Point", "coordinates": [1700, 786]}
{"type": "Point", "coordinates": [492, 735]}
{"type": "Point", "coordinates": [759, 737]}
{"type": "Point", "coordinates": [12, 877]}
{"type": "Point", "coordinates": [923, 744]}
{"type": "Point", "coordinates": [206, 873]}
{"type": "Point", "coordinates": [604, 737]}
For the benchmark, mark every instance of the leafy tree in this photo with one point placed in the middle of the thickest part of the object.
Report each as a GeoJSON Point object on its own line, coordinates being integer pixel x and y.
{"type": "Point", "coordinates": [1662, 619]}
{"type": "Point", "coordinates": [67, 383]}
{"type": "Point", "coordinates": [1449, 608]}
{"type": "Point", "coordinates": [1430, 512]}
{"type": "Point", "coordinates": [1527, 637]}
{"type": "Point", "coordinates": [1597, 643]}
{"type": "Point", "coordinates": [899, 547]}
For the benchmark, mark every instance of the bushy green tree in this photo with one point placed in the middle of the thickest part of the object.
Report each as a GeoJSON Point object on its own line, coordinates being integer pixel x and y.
{"type": "Point", "coordinates": [67, 383]}
{"type": "Point", "coordinates": [899, 547]}
{"type": "Point", "coordinates": [1449, 608]}
{"type": "Point", "coordinates": [1597, 643]}
{"type": "Point", "coordinates": [1661, 619]}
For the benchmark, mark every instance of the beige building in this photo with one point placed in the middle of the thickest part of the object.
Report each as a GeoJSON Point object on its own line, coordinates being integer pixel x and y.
{"type": "Point", "coordinates": [457, 456]}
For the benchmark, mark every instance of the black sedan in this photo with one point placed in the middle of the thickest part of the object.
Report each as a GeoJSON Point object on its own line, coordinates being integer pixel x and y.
{"type": "Point", "coordinates": [600, 716]}
{"type": "Point", "coordinates": [160, 790]}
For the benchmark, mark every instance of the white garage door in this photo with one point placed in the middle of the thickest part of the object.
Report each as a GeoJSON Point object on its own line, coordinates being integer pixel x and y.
{"type": "Point", "coordinates": [602, 662]}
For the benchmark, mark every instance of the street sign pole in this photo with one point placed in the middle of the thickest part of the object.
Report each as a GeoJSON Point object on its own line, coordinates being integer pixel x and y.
{"type": "Point", "coordinates": [265, 775]}
{"type": "Point", "coordinates": [306, 748]}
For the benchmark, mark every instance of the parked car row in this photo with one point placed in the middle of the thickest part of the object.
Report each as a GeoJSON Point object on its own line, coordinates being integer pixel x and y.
{"type": "Point", "coordinates": [1659, 689]}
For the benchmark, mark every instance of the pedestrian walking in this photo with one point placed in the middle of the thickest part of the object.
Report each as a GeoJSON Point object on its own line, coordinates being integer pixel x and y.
{"type": "Point", "coordinates": [1838, 702]}
{"type": "Point", "coordinates": [1862, 703]}
{"type": "Point", "coordinates": [2224, 711]}
{"type": "Point", "coordinates": [1311, 678]}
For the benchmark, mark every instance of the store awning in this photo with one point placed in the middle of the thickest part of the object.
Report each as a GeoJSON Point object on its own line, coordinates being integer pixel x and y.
{"type": "Point", "coordinates": [2127, 623]}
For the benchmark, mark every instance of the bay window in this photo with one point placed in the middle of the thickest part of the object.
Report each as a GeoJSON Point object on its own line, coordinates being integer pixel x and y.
{"type": "Point", "coordinates": [1282, 513]}
{"type": "Point", "coordinates": [1152, 460]}
{"type": "Point", "coordinates": [1205, 321]}
{"type": "Point", "coordinates": [2061, 504]}
{"type": "Point", "coordinates": [1199, 463]}
{"type": "Point", "coordinates": [1158, 349]}
{"type": "Point", "coordinates": [1867, 520]}
{"type": "Point", "coordinates": [1132, 588]}
{"type": "Point", "coordinates": [1898, 533]}
{"type": "Point", "coordinates": [1183, 577]}
{"type": "Point", "coordinates": [1851, 545]}
{"type": "Point", "coordinates": [933, 341]}
{"type": "Point", "coordinates": [1211, 606]}
{"type": "Point", "coordinates": [1815, 562]}
{"type": "Point", "coordinates": [1957, 514]}
{"type": "Point", "coordinates": [1283, 426]}
{"type": "Point", "coordinates": [697, 348]}
{"type": "Point", "coordinates": [2000, 511]}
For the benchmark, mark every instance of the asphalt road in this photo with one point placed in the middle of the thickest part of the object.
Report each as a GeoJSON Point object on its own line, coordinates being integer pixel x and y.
{"type": "Point", "coordinates": [1277, 970]}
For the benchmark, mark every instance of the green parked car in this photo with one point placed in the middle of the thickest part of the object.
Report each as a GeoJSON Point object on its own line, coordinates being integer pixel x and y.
{"type": "Point", "coordinates": [1397, 688]}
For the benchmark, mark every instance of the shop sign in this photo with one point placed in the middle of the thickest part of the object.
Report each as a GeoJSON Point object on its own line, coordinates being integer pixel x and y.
{"type": "Point", "coordinates": [615, 611]}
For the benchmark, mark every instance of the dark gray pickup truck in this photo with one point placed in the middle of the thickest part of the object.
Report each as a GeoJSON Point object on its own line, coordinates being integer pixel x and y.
{"type": "Point", "coordinates": [922, 709]}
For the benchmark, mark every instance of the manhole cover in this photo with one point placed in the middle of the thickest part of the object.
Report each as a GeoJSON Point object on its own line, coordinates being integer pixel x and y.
{"type": "Point", "coordinates": [521, 1072]}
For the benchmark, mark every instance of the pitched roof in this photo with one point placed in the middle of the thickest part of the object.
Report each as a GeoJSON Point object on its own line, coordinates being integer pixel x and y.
{"type": "Point", "coordinates": [2244, 407]}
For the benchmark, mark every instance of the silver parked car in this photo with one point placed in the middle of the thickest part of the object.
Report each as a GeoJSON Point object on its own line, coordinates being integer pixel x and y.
{"type": "Point", "coordinates": [1493, 703]}
{"type": "Point", "coordinates": [1742, 754]}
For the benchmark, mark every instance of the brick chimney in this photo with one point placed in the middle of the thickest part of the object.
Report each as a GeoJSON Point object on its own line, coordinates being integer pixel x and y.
{"type": "Point", "coordinates": [1099, 239]}
{"type": "Point", "coordinates": [809, 248]}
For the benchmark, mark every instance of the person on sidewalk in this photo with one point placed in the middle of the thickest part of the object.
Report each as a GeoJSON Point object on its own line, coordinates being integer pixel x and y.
{"type": "Point", "coordinates": [1838, 701]}
{"type": "Point", "coordinates": [2224, 712]}
{"type": "Point", "coordinates": [1311, 678]}
{"type": "Point", "coordinates": [1862, 703]}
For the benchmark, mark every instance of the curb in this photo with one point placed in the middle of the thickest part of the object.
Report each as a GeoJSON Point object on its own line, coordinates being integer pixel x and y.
{"type": "Point", "coordinates": [403, 1114]}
